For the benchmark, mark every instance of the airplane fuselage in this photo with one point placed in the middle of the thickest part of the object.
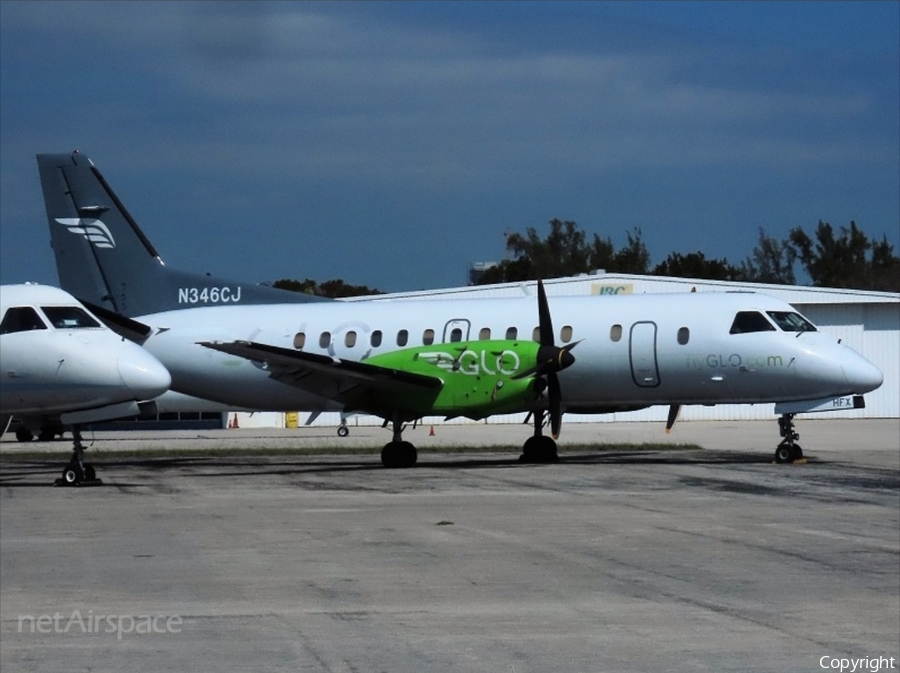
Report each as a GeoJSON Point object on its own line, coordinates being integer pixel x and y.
{"type": "Point", "coordinates": [633, 351]}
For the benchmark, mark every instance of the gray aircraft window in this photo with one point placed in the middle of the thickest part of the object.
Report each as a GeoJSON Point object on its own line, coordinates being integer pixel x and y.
{"type": "Point", "coordinates": [455, 335]}
{"type": "Point", "coordinates": [21, 319]}
{"type": "Point", "coordinates": [615, 333]}
{"type": "Point", "coordinates": [684, 335]}
{"type": "Point", "coordinates": [484, 334]}
{"type": "Point", "coordinates": [512, 333]}
{"type": "Point", "coordinates": [402, 337]}
{"type": "Point", "coordinates": [68, 317]}
{"type": "Point", "coordinates": [299, 340]}
{"type": "Point", "coordinates": [350, 339]}
{"type": "Point", "coordinates": [376, 338]}
{"type": "Point", "coordinates": [428, 337]}
{"type": "Point", "coordinates": [565, 334]}
{"type": "Point", "coordinates": [791, 322]}
{"type": "Point", "coordinates": [750, 321]}
{"type": "Point", "coordinates": [324, 339]}
{"type": "Point", "coordinates": [536, 334]}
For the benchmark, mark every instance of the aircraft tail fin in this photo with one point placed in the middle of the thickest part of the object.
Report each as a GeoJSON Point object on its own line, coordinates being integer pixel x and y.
{"type": "Point", "coordinates": [104, 258]}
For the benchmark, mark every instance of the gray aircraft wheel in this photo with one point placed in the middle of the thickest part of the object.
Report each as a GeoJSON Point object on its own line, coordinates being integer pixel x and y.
{"type": "Point", "coordinates": [343, 431]}
{"type": "Point", "coordinates": [72, 475]}
{"type": "Point", "coordinates": [784, 454]}
{"type": "Point", "coordinates": [796, 452]}
{"type": "Point", "coordinates": [89, 473]}
{"type": "Point", "coordinates": [24, 435]}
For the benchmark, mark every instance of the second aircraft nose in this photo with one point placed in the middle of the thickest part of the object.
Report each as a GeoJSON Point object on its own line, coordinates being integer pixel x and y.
{"type": "Point", "coordinates": [861, 374]}
{"type": "Point", "coordinates": [142, 373]}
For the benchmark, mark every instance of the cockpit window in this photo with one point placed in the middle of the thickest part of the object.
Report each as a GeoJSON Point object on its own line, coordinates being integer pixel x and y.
{"type": "Point", "coordinates": [791, 322]}
{"type": "Point", "coordinates": [21, 319]}
{"type": "Point", "coordinates": [750, 321]}
{"type": "Point", "coordinates": [68, 317]}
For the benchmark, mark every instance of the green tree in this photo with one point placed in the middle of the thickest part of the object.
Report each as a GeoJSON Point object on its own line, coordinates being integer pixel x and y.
{"type": "Point", "coordinates": [695, 265]}
{"type": "Point", "coordinates": [565, 252]}
{"type": "Point", "coordinates": [772, 261]}
{"type": "Point", "coordinates": [334, 289]}
{"type": "Point", "coordinates": [845, 260]}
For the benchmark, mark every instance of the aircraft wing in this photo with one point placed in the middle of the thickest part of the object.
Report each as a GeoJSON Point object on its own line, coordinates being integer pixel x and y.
{"type": "Point", "coordinates": [356, 385]}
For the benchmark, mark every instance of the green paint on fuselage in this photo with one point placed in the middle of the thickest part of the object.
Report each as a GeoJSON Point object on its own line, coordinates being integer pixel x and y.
{"type": "Point", "coordinates": [477, 375]}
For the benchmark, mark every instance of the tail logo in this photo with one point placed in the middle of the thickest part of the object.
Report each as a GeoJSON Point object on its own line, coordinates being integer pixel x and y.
{"type": "Point", "coordinates": [93, 230]}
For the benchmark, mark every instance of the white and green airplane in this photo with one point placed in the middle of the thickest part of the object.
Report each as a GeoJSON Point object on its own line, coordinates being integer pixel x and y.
{"type": "Point", "coordinates": [255, 347]}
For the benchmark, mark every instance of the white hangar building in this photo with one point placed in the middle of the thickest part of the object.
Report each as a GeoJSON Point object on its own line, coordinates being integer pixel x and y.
{"type": "Point", "coordinates": [868, 322]}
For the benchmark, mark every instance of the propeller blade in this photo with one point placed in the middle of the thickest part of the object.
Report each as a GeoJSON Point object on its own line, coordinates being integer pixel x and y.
{"type": "Point", "coordinates": [554, 404]}
{"type": "Point", "coordinates": [545, 323]}
{"type": "Point", "coordinates": [674, 410]}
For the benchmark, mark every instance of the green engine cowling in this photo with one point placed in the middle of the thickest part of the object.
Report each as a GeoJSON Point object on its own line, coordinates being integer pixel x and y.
{"type": "Point", "coordinates": [477, 377]}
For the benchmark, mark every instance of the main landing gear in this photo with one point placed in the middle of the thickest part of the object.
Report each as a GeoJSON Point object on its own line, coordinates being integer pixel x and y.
{"type": "Point", "coordinates": [787, 451]}
{"type": "Point", "coordinates": [539, 448]}
{"type": "Point", "coordinates": [398, 453]}
{"type": "Point", "coordinates": [77, 472]}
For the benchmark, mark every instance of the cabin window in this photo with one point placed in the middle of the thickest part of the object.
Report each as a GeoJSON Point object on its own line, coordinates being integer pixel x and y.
{"type": "Point", "coordinates": [684, 335]}
{"type": "Point", "coordinates": [484, 334]}
{"type": "Point", "coordinates": [565, 334]}
{"type": "Point", "coordinates": [455, 335]}
{"type": "Point", "coordinates": [68, 317]}
{"type": "Point", "coordinates": [536, 334]}
{"type": "Point", "coordinates": [512, 333]}
{"type": "Point", "coordinates": [350, 339]}
{"type": "Point", "coordinates": [375, 339]}
{"type": "Point", "coordinates": [299, 340]}
{"type": "Point", "coordinates": [402, 337]}
{"type": "Point", "coordinates": [428, 337]}
{"type": "Point", "coordinates": [324, 339]}
{"type": "Point", "coordinates": [791, 322]}
{"type": "Point", "coordinates": [750, 321]}
{"type": "Point", "coordinates": [21, 319]}
{"type": "Point", "coordinates": [615, 333]}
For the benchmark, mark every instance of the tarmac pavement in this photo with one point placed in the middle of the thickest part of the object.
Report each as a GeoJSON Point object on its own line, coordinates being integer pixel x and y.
{"type": "Point", "coordinates": [699, 559]}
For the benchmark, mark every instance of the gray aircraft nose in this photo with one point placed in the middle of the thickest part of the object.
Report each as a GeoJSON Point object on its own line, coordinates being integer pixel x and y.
{"type": "Point", "coordinates": [142, 373]}
{"type": "Point", "coordinates": [861, 374]}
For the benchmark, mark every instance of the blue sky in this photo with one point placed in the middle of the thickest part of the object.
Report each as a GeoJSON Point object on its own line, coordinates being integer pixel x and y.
{"type": "Point", "coordinates": [392, 144]}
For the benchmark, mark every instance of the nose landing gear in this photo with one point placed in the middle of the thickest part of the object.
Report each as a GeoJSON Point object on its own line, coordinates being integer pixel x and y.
{"type": "Point", "coordinates": [787, 451]}
{"type": "Point", "coordinates": [77, 472]}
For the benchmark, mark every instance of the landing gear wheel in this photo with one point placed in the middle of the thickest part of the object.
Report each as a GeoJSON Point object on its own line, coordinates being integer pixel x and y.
{"type": "Point", "coordinates": [46, 435]}
{"type": "Point", "coordinates": [784, 453]}
{"type": "Point", "coordinates": [343, 431]}
{"type": "Point", "coordinates": [72, 475]}
{"type": "Point", "coordinates": [539, 450]}
{"type": "Point", "coordinates": [89, 473]}
{"type": "Point", "coordinates": [399, 454]}
{"type": "Point", "coordinates": [24, 435]}
{"type": "Point", "coordinates": [796, 452]}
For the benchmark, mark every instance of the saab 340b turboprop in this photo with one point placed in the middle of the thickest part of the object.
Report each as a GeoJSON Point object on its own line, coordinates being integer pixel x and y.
{"type": "Point", "coordinates": [246, 346]}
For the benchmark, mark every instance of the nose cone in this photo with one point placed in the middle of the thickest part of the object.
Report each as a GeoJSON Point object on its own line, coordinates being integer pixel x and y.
{"type": "Point", "coordinates": [861, 374]}
{"type": "Point", "coordinates": [142, 373]}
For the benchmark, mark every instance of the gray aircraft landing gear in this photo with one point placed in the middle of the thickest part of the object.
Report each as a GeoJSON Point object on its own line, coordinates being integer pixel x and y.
{"type": "Point", "coordinates": [788, 451]}
{"type": "Point", "coordinates": [343, 430]}
{"type": "Point", "coordinates": [539, 448]}
{"type": "Point", "coordinates": [77, 472]}
{"type": "Point", "coordinates": [398, 453]}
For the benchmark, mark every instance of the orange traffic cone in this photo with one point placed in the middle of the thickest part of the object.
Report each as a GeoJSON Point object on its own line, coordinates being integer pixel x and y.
{"type": "Point", "coordinates": [236, 426]}
{"type": "Point", "coordinates": [431, 433]}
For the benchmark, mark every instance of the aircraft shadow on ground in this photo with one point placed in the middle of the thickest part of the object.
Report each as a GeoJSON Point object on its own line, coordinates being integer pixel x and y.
{"type": "Point", "coordinates": [43, 473]}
